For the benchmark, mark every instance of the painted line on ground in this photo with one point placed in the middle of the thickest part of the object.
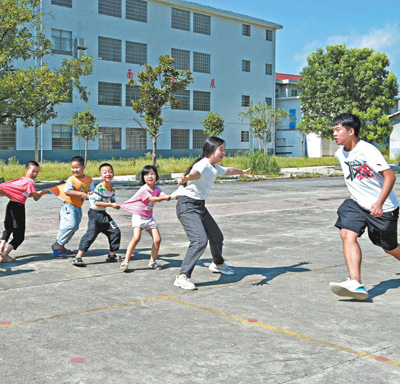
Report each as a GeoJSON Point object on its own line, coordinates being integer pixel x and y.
{"type": "Point", "coordinates": [289, 333]}
{"type": "Point", "coordinates": [173, 298]}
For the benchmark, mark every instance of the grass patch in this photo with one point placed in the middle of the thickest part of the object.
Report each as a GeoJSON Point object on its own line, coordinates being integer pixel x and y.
{"type": "Point", "coordinates": [259, 164]}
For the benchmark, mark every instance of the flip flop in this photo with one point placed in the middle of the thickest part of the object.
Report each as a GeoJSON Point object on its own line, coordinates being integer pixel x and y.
{"type": "Point", "coordinates": [78, 262]}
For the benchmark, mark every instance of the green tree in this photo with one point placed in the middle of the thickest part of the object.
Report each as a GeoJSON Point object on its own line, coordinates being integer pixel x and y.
{"type": "Point", "coordinates": [264, 121]}
{"type": "Point", "coordinates": [85, 127]}
{"type": "Point", "coordinates": [29, 89]}
{"type": "Point", "coordinates": [157, 87]}
{"type": "Point", "coordinates": [213, 124]}
{"type": "Point", "coordinates": [347, 80]}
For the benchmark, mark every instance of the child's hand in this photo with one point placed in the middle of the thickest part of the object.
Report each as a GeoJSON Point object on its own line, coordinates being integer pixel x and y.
{"type": "Point", "coordinates": [115, 206]}
{"type": "Point", "coordinates": [244, 171]}
{"type": "Point", "coordinates": [84, 196]}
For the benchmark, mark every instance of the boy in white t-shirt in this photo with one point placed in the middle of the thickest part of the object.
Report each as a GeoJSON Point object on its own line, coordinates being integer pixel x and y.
{"type": "Point", "coordinates": [373, 204]}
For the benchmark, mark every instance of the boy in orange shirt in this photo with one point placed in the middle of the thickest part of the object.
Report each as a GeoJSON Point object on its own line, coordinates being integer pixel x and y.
{"type": "Point", "coordinates": [75, 192]}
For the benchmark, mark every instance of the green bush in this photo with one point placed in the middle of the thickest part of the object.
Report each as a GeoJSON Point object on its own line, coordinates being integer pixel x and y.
{"type": "Point", "coordinates": [258, 162]}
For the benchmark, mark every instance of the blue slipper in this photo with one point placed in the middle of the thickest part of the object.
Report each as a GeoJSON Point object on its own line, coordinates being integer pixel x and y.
{"type": "Point", "coordinates": [57, 252]}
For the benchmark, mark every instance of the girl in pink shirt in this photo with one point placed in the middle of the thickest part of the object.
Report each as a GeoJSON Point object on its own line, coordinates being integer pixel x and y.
{"type": "Point", "coordinates": [141, 205]}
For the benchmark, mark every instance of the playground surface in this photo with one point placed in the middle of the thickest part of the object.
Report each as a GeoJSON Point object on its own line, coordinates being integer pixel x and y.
{"type": "Point", "coordinates": [274, 321]}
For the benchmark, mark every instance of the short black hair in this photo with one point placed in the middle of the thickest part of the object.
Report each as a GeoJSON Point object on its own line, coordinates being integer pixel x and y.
{"type": "Point", "coordinates": [31, 163]}
{"type": "Point", "coordinates": [79, 159]}
{"type": "Point", "coordinates": [106, 165]}
{"type": "Point", "coordinates": [146, 169]}
{"type": "Point", "coordinates": [348, 120]}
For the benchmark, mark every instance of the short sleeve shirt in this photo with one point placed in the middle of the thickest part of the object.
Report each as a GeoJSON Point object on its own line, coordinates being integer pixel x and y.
{"type": "Point", "coordinates": [139, 203]}
{"type": "Point", "coordinates": [82, 184]}
{"type": "Point", "coordinates": [101, 193]}
{"type": "Point", "coordinates": [19, 189]}
{"type": "Point", "coordinates": [361, 167]}
{"type": "Point", "coordinates": [200, 189]}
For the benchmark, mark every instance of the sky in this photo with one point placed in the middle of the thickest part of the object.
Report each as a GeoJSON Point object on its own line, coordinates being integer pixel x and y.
{"type": "Point", "coordinates": [312, 24]}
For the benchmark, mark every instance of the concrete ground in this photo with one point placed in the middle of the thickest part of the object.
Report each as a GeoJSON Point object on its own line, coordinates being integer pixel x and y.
{"type": "Point", "coordinates": [274, 321]}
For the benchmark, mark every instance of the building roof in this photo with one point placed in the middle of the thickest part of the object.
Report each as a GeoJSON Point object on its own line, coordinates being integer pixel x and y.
{"type": "Point", "coordinates": [394, 115]}
{"type": "Point", "coordinates": [223, 13]}
{"type": "Point", "coordinates": [284, 76]}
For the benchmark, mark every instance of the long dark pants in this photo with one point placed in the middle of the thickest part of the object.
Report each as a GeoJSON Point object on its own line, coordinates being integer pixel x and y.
{"type": "Point", "coordinates": [14, 223]}
{"type": "Point", "coordinates": [200, 227]}
{"type": "Point", "coordinates": [99, 222]}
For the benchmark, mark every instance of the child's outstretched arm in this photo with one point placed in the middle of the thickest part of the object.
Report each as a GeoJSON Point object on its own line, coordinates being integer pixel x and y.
{"type": "Point", "coordinates": [158, 199]}
{"type": "Point", "coordinates": [103, 204]}
{"type": "Point", "coordinates": [193, 175]}
{"type": "Point", "coordinates": [236, 171]}
{"type": "Point", "coordinates": [38, 195]}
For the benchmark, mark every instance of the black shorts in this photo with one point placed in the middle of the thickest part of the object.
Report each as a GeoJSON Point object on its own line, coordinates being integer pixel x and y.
{"type": "Point", "coordinates": [382, 231]}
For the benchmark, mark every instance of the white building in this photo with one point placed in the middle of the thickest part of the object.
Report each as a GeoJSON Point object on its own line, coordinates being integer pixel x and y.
{"type": "Point", "coordinates": [289, 141]}
{"type": "Point", "coordinates": [232, 57]}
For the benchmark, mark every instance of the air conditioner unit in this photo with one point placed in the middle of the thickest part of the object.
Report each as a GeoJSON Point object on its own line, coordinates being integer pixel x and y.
{"type": "Point", "coordinates": [80, 43]}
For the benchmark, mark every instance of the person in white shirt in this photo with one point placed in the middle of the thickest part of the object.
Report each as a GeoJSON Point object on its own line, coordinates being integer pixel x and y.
{"type": "Point", "coordinates": [199, 225]}
{"type": "Point", "coordinates": [373, 204]}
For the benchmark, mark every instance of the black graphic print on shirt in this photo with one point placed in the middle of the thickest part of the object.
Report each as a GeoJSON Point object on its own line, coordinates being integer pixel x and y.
{"type": "Point", "coordinates": [359, 170]}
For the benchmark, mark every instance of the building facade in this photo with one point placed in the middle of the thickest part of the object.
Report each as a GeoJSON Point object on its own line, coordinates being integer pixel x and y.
{"type": "Point", "coordinates": [232, 57]}
{"type": "Point", "coordinates": [289, 141]}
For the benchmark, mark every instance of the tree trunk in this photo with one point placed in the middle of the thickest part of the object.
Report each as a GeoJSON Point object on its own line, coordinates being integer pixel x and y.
{"type": "Point", "coordinates": [86, 147]}
{"type": "Point", "coordinates": [154, 154]}
{"type": "Point", "coordinates": [36, 143]}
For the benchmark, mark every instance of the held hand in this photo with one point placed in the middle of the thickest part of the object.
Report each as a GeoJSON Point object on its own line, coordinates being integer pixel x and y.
{"type": "Point", "coordinates": [84, 196]}
{"type": "Point", "coordinates": [115, 205]}
{"type": "Point", "coordinates": [376, 209]}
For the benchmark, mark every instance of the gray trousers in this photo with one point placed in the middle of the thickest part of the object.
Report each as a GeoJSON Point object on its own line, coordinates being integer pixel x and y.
{"type": "Point", "coordinates": [200, 228]}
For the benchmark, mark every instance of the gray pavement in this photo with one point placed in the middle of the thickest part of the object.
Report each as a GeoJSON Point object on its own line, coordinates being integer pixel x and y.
{"type": "Point", "coordinates": [274, 321]}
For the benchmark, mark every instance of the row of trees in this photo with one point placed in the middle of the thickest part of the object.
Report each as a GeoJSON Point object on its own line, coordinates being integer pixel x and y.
{"type": "Point", "coordinates": [338, 80]}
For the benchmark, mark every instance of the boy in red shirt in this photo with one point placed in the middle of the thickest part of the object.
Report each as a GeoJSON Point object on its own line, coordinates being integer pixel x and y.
{"type": "Point", "coordinates": [14, 223]}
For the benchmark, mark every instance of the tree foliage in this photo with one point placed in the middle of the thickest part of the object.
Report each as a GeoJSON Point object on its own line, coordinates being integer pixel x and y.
{"type": "Point", "coordinates": [264, 121]}
{"type": "Point", "coordinates": [29, 89]}
{"type": "Point", "coordinates": [85, 127]}
{"type": "Point", "coordinates": [347, 80]}
{"type": "Point", "coordinates": [157, 87]}
{"type": "Point", "coordinates": [213, 124]}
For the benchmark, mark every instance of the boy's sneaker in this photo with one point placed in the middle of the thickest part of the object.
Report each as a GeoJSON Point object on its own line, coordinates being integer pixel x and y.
{"type": "Point", "coordinates": [351, 288]}
{"type": "Point", "coordinates": [184, 282]}
{"type": "Point", "coordinates": [221, 268]}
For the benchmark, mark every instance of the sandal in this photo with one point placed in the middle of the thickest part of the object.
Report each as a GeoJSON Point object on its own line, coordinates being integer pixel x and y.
{"type": "Point", "coordinates": [78, 262]}
{"type": "Point", "coordinates": [124, 267]}
{"type": "Point", "coordinates": [66, 251]}
{"type": "Point", "coordinates": [57, 252]}
{"type": "Point", "coordinates": [155, 265]}
{"type": "Point", "coordinates": [111, 258]}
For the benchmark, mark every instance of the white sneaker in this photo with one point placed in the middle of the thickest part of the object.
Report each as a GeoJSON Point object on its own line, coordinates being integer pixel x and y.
{"type": "Point", "coordinates": [221, 268]}
{"type": "Point", "coordinates": [184, 282]}
{"type": "Point", "coordinates": [351, 288]}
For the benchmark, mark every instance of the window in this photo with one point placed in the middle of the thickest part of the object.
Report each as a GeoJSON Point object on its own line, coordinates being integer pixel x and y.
{"type": "Point", "coordinates": [201, 101]}
{"type": "Point", "coordinates": [109, 138]}
{"type": "Point", "coordinates": [136, 53]}
{"type": "Point", "coordinates": [268, 69]}
{"type": "Point", "coordinates": [245, 101]}
{"type": "Point", "coordinates": [246, 30]}
{"type": "Point", "coordinates": [109, 49]}
{"type": "Point", "coordinates": [246, 65]}
{"type": "Point", "coordinates": [268, 34]}
{"type": "Point", "coordinates": [184, 100]}
{"type": "Point", "coordinates": [110, 7]}
{"type": "Point", "coordinates": [136, 138]}
{"type": "Point", "coordinates": [110, 94]}
{"type": "Point", "coordinates": [182, 58]}
{"type": "Point", "coordinates": [199, 137]}
{"type": "Point", "coordinates": [180, 19]}
{"type": "Point", "coordinates": [294, 92]}
{"type": "Point", "coordinates": [61, 41]}
{"type": "Point", "coordinates": [179, 139]}
{"type": "Point", "coordinates": [268, 101]}
{"type": "Point", "coordinates": [62, 3]}
{"type": "Point", "coordinates": [201, 62]}
{"type": "Point", "coordinates": [131, 93]}
{"type": "Point", "coordinates": [8, 138]}
{"type": "Point", "coordinates": [61, 136]}
{"type": "Point", "coordinates": [292, 117]}
{"type": "Point", "coordinates": [201, 24]}
{"type": "Point", "coordinates": [136, 10]}
{"type": "Point", "coordinates": [245, 136]}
